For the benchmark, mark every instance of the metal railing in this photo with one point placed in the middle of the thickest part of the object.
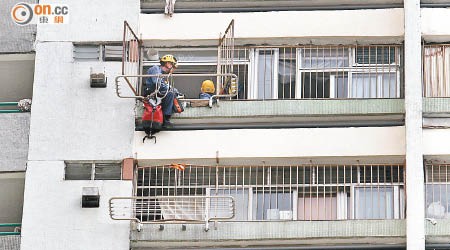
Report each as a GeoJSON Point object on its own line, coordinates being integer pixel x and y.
{"type": "Point", "coordinates": [16, 227]}
{"type": "Point", "coordinates": [304, 192]}
{"type": "Point", "coordinates": [173, 209]}
{"type": "Point", "coordinates": [437, 191]}
{"type": "Point", "coordinates": [436, 75]}
{"type": "Point", "coordinates": [232, 78]}
{"type": "Point", "coordinates": [16, 110]}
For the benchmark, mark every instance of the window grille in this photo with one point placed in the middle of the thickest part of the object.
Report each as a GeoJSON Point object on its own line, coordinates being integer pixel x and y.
{"type": "Point", "coordinates": [300, 72]}
{"type": "Point", "coordinates": [306, 192]}
{"type": "Point", "coordinates": [437, 191]}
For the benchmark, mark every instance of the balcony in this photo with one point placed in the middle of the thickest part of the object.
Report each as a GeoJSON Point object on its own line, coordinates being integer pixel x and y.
{"type": "Point", "coordinates": [297, 86]}
{"type": "Point", "coordinates": [306, 204]}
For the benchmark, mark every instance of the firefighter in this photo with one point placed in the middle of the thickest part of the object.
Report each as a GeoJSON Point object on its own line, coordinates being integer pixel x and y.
{"type": "Point", "coordinates": [207, 90]}
{"type": "Point", "coordinates": [167, 64]}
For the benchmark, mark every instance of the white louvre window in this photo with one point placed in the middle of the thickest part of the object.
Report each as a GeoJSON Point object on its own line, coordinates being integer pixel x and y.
{"type": "Point", "coordinates": [93, 171]}
{"type": "Point", "coordinates": [83, 52]}
{"type": "Point", "coordinates": [305, 192]}
{"type": "Point", "coordinates": [112, 52]}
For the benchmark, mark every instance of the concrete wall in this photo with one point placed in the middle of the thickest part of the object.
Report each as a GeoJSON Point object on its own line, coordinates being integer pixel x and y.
{"type": "Point", "coordinates": [436, 141]}
{"type": "Point", "coordinates": [92, 21]}
{"type": "Point", "coordinates": [53, 217]}
{"type": "Point", "coordinates": [16, 77]}
{"type": "Point", "coordinates": [434, 23]}
{"type": "Point", "coordinates": [298, 233]}
{"type": "Point", "coordinates": [14, 131]}
{"type": "Point", "coordinates": [11, 197]}
{"type": "Point", "coordinates": [71, 120]}
{"type": "Point", "coordinates": [15, 38]}
{"type": "Point", "coordinates": [311, 24]}
{"type": "Point", "coordinates": [301, 142]}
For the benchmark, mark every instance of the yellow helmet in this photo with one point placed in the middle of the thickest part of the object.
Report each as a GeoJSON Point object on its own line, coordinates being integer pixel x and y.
{"type": "Point", "coordinates": [208, 87]}
{"type": "Point", "coordinates": [168, 58]}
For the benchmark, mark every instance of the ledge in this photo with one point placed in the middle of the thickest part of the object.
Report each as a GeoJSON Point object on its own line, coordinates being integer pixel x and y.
{"type": "Point", "coordinates": [436, 107]}
{"type": "Point", "coordinates": [272, 233]}
{"type": "Point", "coordinates": [294, 113]}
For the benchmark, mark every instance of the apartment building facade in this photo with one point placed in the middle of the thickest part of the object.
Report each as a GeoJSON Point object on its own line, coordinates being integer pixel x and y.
{"type": "Point", "coordinates": [335, 136]}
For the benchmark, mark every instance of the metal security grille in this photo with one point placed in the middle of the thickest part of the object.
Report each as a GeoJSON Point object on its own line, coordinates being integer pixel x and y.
{"type": "Point", "coordinates": [321, 72]}
{"type": "Point", "coordinates": [225, 62]}
{"type": "Point", "coordinates": [305, 192]}
{"type": "Point", "coordinates": [436, 77]}
{"type": "Point", "coordinates": [437, 191]}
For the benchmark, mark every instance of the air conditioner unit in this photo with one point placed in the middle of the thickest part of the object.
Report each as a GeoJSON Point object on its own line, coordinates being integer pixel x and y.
{"type": "Point", "coordinates": [90, 197]}
{"type": "Point", "coordinates": [98, 80]}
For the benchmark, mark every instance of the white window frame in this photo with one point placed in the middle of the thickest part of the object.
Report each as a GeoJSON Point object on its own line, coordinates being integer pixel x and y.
{"type": "Point", "coordinates": [355, 68]}
{"type": "Point", "coordinates": [254, 61]}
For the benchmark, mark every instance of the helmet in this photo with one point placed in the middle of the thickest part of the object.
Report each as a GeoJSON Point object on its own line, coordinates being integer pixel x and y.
{"type": "Point", "coordinates": [208, 87]}
{"type": "Point", "coordinates": [167, 58]}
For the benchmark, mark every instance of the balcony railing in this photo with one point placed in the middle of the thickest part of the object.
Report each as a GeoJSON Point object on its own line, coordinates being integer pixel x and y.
{"type": "Point", "coordinates": [262, 193]}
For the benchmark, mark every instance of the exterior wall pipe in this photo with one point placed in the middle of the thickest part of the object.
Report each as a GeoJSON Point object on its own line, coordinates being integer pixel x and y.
{"type": "Point", "coordinates": [298, 8]}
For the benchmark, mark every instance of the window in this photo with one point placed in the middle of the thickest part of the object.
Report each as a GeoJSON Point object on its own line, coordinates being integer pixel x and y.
{"type": "Point", "coordinates": [112, 52]}
{"type": "Point", "coordinates": [349, 72]}
{"type": "Point", "coordinates": [436, 77]}
{"type": "Point", "coordinates": [307, 192]}
{"type": "Point", "coordinates": [437, 191]}
{"type": "Point", "coordinates": [296, 72]}
{"type": "Point", "coordinates": [200, 61]}
{"type": "Point", "coordinates": [93, 171]}
{"type": "Point", "coordinates": [83, 52]}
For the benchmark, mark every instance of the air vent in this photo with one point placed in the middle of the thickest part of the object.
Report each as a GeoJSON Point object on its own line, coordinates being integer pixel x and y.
{"type": "Point", "coordinates": [86, 52]}
{"type": "Point", "coordinates": [112, 53]}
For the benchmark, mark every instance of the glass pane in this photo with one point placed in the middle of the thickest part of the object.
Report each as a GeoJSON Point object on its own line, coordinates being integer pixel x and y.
{"type": "Point", "coordinates": [331, 57]}
{"type": "Point", "coordinates": [438, 201]}
{"type": "Point", "coordinates": [374, 203]}
{"type": "Point", "coordinates": [272, 206]}
{"type": "Point", "coordinates": [265, 74]}
{"type": "Point", "coordinates": [373, 85]}
{"type": "Point", "coordinates": [241, 198]}
{"type": "Point", "coordinates": [316, 85]}
{"type": "Point", "coordinates": [315, 207]}
{"type": "Point", "coordinates": [108, 171]}
{"type": "Point", "coordinates": [78, 171]}
{"type": "Point", "coordinates": [286, 73]}
{"type": "Point", "coordinates": [375, 55]}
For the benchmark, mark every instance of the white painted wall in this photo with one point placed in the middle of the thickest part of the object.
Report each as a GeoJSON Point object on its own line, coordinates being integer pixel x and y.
{"type": "Point", "coordinates": [347, 23]}
{"type": "Point", "coordinates": [301, 142]}
{"type": "Point", "coordinates": [91, 21]}
{"type": "Point", "coordinates": [436, 141]}
{"type": "Point", "coordinates": [72, 121]}
{"type": "Point", "coordinates": [434, 22]}
{"type": "Point", "coordinates": [53, 217]}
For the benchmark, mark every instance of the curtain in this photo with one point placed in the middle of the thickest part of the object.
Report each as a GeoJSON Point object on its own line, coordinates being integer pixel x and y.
{"type": "Point", "coordinates": [436, 76]}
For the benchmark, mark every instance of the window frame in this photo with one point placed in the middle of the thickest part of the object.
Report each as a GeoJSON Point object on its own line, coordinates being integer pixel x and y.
{"type": "Point", "coordinates": [93, 169]}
